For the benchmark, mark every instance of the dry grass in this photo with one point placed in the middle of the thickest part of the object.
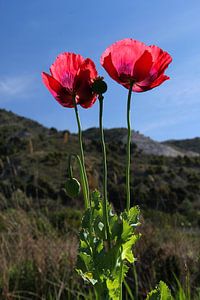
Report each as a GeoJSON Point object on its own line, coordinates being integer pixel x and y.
{"type": "Point", "coordinates": [37, 259]}
{"type": "Point", "coordinates": [33, 253]}
{"type": "Point", "coordinates": [166, 252]}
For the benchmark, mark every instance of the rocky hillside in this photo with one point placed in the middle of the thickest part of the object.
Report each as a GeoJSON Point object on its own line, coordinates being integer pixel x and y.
{"type": "Point", "coordinates": [33, 164]}
{"type": "Point", "coordinates": [23, 127]}
{"type": "Point", "coordinates": [187, 145]}
{"type": "Point", "coordinates": [145, 144]}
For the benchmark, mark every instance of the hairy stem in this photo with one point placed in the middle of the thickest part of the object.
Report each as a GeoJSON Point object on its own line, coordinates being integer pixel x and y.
{"type": "Point", "coordinates": [120, 276]}
{"type": "Point", "coordinates": [128, 149]}
{"type": "Point", "coordinates": [105, 197]}
{"type": "Point", "coordinates": [87, 198]}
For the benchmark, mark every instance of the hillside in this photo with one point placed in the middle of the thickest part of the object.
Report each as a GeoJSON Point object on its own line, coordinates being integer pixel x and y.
{"type": "Point", "coordinates": [143, 143]}
{"type": "Point", "coordinates": [33, 159]}
{"type": "Point", "coordinates": [192, 145]}
{"type": "Point", "coordinates": [39, 222]}
{"type": "Point", "coordinates": [7, 118]}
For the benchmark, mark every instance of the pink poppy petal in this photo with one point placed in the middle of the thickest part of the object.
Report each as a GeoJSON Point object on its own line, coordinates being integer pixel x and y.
{"type": "Point", "coordinates": [161, 60]}
{"type": "Point", "coordinates": [57, 90]}
{"type": "Point", "coordinates": [83, 83]}
{"type": "Point", "coordinates": [106, 62]}
{"type": "Point", "coordinates": [65, 67]}
{"type": "Point", "coordinates": [142, 67]}
{"type": "Point", "coordinates": [86, 103]}
{"type": "Point", "coordinates": [125, 53]}
{"type": "Point", "coordinates": [86, 73]}
{"type": "Point", "coordinates": [159, 80]}
{"type": "Point", "coordinates": [143, 88]}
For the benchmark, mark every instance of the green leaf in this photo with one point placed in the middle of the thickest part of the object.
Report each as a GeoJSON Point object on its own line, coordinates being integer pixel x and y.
{"type": "Point", "coordinates": [113, 284]}
{"type": "Point", "coordinates": [87, 276]}
{"type": "Point", "coordinates": [100, 226]}
{"type": "Point", "coordinates": [100, 265]}
{"type": "Point", "coordinates": [108, 260]}
{"type": "Point", "coordinates": [127, 231]}
{"type": "Point", "coordinates": [96, 198]}
{"type": "Point", "coordinates": [127, 249]}
{"type": "Point", "coordinates": [161, 292]}
{"type": "Point", "coordinates": [114, 288]}
{"type": "Point", "coordinates": [84, 261]}
{"type": "Point", "coordinates": [116, 227]}
{"type": "Point", "coordinates": [133, 216]}
{"type": "Point", "coordinates": [86, 220]}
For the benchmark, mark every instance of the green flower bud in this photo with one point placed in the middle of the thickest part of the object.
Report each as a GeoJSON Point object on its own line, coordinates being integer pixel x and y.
{"type": "Point", "coordinates": [99, 86]}
{"type": "Point", "coordinates": [72, 187]}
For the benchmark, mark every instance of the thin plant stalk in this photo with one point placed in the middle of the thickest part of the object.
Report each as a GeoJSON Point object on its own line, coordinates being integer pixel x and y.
{"type": "Point", "coordinates": [87, 201]}
{"type": "Point", "coordinates": [105, 196]}
{"type": "Point", "coordinates": [129, 291]}
{"type": "Point", "coordinates": [128, 148]}
{"type": "Point", "coordinates": [120, 278]}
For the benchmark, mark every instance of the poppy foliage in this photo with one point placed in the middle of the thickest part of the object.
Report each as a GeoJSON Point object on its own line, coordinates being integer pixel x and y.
{"type": "Point", "coordinates": [132, 63]}
{"type": "Point", "coordinates": [71, 77]}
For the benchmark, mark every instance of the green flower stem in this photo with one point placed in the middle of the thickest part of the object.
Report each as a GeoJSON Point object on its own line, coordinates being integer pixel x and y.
{"type": "Point", "coordinates": [69, 170]}
{"type": "Point", "coordinates": [97, 293]}
{"type": "Point", "coordinates": [128, 149]}
{"type": "Point", "coordinates": [120, 277]}
{"type": "Point", "coordinates": [87, 201]}
{"type": "Point", "coordinates": [82, 177]}
{"type": "Point", "coordinates": [105, 197]}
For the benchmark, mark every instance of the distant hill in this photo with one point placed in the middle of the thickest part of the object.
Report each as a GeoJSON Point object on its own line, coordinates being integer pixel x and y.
{"type": "Point", "coordinates": [143, 143]}
{"type": "Point", "coordinates": [189, 145]}
{"type": "Point", "coordinates": [9, 119]}
{"type": "Point", "coordinates": [25, 127]}
{"type": "Point", "coordinates": [33, 163]}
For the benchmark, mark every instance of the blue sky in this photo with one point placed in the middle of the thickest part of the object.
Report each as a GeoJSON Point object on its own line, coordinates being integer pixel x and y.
{"type": "Point", "coordinates": [33, 33]}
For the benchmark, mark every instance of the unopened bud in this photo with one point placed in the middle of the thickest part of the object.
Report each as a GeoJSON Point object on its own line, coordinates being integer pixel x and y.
{"type": "Point", "coordinates": [72, 187]}
{"type": "Point", "coordinates": [99, 86]}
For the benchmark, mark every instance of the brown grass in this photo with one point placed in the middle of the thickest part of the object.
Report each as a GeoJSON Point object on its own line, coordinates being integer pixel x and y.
{"type": "Point", "coordinates": [28, 242]}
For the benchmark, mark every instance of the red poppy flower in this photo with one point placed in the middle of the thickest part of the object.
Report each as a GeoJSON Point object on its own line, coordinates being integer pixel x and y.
{"type": "Point", "coordinates": [71, 76]}
{"type": "Point", "coordinates": [132, 62]}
